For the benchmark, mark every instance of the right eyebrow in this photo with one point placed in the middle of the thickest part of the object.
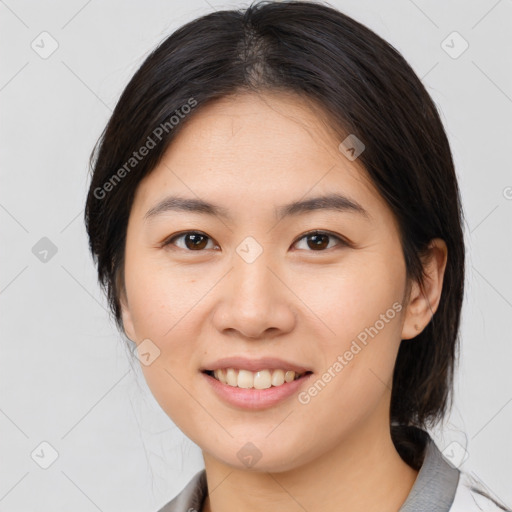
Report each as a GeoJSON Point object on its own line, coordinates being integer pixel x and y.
{"type": "Point", "coordinates": [180, 204]}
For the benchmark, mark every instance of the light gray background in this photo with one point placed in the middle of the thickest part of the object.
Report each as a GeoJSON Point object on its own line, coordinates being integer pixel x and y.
{"type": "Point", "coordinates": [65, 375]}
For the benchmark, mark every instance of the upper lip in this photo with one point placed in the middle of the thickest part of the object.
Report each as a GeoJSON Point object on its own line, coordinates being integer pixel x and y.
{"type": "Point", "coordinates": [254, 365]}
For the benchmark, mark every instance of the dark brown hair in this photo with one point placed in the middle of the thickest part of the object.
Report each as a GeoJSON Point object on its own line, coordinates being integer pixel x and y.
{"type": "Point", "coordinates": [364, 87]}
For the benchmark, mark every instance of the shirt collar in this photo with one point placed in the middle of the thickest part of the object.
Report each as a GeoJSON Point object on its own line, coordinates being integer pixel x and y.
{"type": "Point", "coordinates": [435, 485]}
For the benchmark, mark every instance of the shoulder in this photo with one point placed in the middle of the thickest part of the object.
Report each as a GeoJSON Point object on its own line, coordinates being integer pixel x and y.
{"type": "Point", "coordinates": [470, 496]}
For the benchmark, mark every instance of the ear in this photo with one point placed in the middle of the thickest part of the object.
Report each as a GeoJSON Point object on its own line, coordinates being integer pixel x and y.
{"type": "Point", "coordinates": [127, 323]}
{"type": "Point", "coordinates": [424, 300]}
{"type": "Point", "coordinates": [126, 316]}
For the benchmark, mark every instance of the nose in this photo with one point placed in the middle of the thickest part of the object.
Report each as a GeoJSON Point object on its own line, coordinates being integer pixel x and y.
{"type": "Point", "coordinates": [254, 301]}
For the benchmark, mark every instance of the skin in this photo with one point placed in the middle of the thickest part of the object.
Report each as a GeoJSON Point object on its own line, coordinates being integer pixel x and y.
{"type": "Point", "coordinates": [251, 153]}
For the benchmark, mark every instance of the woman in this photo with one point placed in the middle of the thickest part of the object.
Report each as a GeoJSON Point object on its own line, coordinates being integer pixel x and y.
{"type": "Point", "coordinates": [276, 220]}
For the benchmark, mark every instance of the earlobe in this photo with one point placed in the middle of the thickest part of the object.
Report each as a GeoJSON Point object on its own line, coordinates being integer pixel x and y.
{"type": "Point", "coordinates": [126, 316]}
{"type": "Point", "coordinates": [424, 300]}
{"type": "Point", "coordinates": [127, 319]}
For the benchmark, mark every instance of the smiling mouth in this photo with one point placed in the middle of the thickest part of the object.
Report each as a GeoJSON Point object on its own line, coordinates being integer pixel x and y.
{"type": "Point", "coordinates": [262, 379]}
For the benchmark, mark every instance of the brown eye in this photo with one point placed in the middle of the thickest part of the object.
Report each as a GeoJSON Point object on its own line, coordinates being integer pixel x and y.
{"type": "Point", "coordinates": [191, 240]}
{"type": "Point", "coordinates": [316, 241]}
{"type": "Point", "coordinates": [319, 240]}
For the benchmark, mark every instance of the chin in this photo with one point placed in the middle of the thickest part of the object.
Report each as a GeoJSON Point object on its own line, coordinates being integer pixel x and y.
{"type": "Point", "coordinates": [259, 456]}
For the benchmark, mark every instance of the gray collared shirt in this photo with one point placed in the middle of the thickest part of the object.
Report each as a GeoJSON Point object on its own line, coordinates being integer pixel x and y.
{"type": "Point", "coordinates": [433, 490]}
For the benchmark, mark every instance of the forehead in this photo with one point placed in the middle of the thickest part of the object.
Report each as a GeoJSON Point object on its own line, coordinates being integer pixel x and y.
{"type": "Point", "coordinates": [254, 149]}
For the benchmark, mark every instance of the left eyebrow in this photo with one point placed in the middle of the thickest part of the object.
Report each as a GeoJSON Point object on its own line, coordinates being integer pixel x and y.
{"type": "Point", "coordinates": [336, 202]}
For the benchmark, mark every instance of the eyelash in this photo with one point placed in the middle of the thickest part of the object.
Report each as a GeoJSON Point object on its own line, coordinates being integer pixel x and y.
{"type": "Point", "coordinates": [341, 241]}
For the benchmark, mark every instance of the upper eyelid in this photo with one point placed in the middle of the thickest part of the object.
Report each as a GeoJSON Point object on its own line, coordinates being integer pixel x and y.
{"type": "Point", "coordinates": [170, 239]}
{"type": "Point", "coordinates": [322, 232]}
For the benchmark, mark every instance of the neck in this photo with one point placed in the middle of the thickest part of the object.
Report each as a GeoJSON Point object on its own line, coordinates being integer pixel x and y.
{"type": "Point", "coordinates": [364, 473]}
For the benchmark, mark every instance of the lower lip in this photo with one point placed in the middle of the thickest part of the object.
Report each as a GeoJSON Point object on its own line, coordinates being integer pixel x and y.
{"type": "Point", "coordinates": [255, 398]}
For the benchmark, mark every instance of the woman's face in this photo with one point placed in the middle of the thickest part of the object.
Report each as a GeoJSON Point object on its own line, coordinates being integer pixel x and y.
{"type": "Point", "coordinates": [252, 284]}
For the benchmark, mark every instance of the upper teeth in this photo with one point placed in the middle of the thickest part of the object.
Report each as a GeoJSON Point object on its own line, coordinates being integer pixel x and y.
{"type": "Point", "coordinates": [262, 379]}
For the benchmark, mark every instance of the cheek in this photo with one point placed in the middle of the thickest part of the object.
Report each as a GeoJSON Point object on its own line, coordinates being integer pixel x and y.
{"type": "Point", "coordinates": [159, 297]}
{"type": "Point", "coordinates": [352, 296]}
{"type": "Point", "coordinates": [362, 310]}
{"type": "Point", "coordinates": [162, 306]}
